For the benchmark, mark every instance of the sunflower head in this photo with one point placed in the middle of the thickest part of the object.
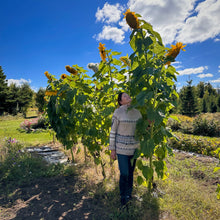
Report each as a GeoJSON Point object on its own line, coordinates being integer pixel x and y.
{"type": "Point", "coordinates": [102, 51]}
{"type": "Point", "coordinates": [63, 76]}
{"type": "Point", "coordinates": [131, 19]}
{"type": "Point", "coordinates": [46, 73]}
{"type": "Point", "coordinates": [125, 60]}
{"type": "Point", "coordinates": [51, 93]}
{"type": "Point", "coordinates": [174, 51]}
{"type": "Point", "coordinates": [71, 70]}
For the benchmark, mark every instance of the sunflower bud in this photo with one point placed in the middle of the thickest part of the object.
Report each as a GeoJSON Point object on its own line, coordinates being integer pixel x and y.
{"type": "Point", "coordinates": [102, 51]}
{"type": "Point", "coordinates": [47, 75]}
{"type": "Point", "coordinates": [71, 70]}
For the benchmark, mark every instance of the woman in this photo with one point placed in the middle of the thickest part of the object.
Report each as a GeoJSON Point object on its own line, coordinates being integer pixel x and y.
{"type": "Point", "coordinates": [123, 143]}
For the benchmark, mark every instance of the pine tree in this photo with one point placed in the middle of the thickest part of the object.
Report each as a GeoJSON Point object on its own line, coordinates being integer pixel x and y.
{"type": "Point", "coordinates": [210, 89]}
{"type": "Point", "coordinates": [3, 91]}
{"type": "Point", "coordinates": [200, 89]}
{"type": "Point", "coordinates": [213, 105]}
{"type": "Point", "coordinates": [218, 102]}
{"type": "Point", "coordinates": [188, 100]}
{"type": "Point", "coordinates": [204, 106]}
{"type": "Point", "coordinates": [12, 100]}
{"type": "Point", "coordinates": [25, 97]}
{"type": "Point", "coordinates": [40, 102]}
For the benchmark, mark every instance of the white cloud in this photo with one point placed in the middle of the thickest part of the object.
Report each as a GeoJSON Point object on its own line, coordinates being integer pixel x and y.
{"type": "Point", "coordinates": [124, 25]}
{"type": "Point", "coordinates": [203, 25]}
{"type": "Point", "coordinates": [109, 13]}
{"type": "Point", "coordinates": [177, 64]}
{"type": "Point", "coordinates": [190, 71]}
{"type": "Point", "coordinates": [182, 20]}
{"type": "Point", "coordinates": [215, 81]}
{"type": "Point", "coordinates": [205, 75]}
{"type": "Point", "coordinates": [111, 33]}
{"type": "Point", "coordinates": [166, 16]}
{"type": "Point", "coordinates": [18, 82]}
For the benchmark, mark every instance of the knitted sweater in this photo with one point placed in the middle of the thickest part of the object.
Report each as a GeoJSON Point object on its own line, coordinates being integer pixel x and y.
{"type": "Point", "coordinates": [123, 130]}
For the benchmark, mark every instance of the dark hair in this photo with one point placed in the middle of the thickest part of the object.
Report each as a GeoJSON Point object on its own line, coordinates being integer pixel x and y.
{"type": "Point", "coordinates": [119, 97]}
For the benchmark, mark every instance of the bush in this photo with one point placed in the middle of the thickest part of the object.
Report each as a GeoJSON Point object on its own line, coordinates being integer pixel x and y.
{"type": "Point", "coordinates": [202, 126]}
{"type": "Point", "coordinates": [196, 144]}
{"type": "Point", "coordinates": [18, 166]}
{"type": "Point", "coordinates": [173, 124]}
{"type": "Point", "coordinates": [36, 123]}
{"type": "Point", "coordinates": [184, 125]}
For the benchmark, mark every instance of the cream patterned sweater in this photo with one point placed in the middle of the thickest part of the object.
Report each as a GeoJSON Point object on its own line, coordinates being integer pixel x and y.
{"type": "Point", "coordinates": [123, 130]}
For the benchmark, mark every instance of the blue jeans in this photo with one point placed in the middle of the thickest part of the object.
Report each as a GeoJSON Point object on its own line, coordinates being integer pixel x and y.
{"type": "Point", "coordinates": [126, 176]}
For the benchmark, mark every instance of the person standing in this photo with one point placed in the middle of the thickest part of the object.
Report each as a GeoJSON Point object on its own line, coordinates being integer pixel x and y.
{"type": "Point", "coordinates": [123, 144]}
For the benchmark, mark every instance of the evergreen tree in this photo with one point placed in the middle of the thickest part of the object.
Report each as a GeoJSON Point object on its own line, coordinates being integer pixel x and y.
{"type": "Point", "coordinates": [25, 97]}
{"type": "Point", "coordinates": [40, 102]}
{"type": "Point", "coordinates": [188, 100]}
{"type": "Point", "coordinates": [200, 89]}
{"type": "Point", "coordinates": [213, 105]}
{"type": "Point", "coordinates": [210, 89]}
{"type": "Point", "coordinates": [3, 91]}
{"type": "Point", "coordinates": [204, 106]}
{"type": "Point", "coordinates": [218, 102]}
{"type": "Point", "coordinates": [12, 99]}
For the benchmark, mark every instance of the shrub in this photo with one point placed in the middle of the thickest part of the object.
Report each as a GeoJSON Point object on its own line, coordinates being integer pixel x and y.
{"type": "Point", "coordinates": [184, 125]}
{"type": "Point", "coordinates": [17, 166]}
{"type": "Point", "coordinates": [36, 123]}
{"type": "Point", "coordinates": [202, 126]}
{"type": "Point", "coordinates": [196, 144]}
{"type": "Point", "coordinates": [173, 124]}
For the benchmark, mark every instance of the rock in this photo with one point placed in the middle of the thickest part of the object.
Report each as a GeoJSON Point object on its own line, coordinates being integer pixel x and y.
{"type": "Point", "coordinates": [50, 155]}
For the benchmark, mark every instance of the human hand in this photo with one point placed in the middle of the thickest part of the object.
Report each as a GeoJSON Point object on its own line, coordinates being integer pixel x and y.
{"type": "Point", "coordinates": [113, 154]}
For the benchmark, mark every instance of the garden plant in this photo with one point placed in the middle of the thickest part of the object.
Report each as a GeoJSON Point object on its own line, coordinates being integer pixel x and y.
{"type": "Point", "coordinates": [80, 107]}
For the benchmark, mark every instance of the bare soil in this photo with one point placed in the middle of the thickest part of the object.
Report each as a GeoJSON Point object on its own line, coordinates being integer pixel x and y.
{"type": "Point", "coordinates": [52, 198]}
{"type": "Point", "coordinates": [66, 197]}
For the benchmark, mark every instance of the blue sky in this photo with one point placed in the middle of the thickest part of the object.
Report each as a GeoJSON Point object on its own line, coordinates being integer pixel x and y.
{"type": "Point", "coordinates": [46, 35]}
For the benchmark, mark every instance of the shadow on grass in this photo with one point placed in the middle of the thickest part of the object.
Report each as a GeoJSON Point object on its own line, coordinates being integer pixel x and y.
{"type": "Point", "coordinates": [30, 117]}
{"type": "Point", "coordinates": [32, 189]}
{"type": "Point", "coordinates": [70, 197]}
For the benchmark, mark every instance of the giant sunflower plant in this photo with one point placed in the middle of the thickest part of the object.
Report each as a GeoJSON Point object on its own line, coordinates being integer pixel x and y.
{"type": "Point", "coordinates": [106, 83]}
{"type": "Point", "coordinates": [151, 87]}
{"type": "Point", "coordinates": [68, 105]}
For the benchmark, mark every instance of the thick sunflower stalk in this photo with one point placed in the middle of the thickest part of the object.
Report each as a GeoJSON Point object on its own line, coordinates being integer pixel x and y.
{"type": "Point", "coordinates": [68, 106]}
{"type": "Point", "coordinates": [152, 89]}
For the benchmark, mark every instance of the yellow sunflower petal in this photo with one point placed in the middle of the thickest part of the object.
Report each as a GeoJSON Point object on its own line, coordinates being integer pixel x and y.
{"type": "Point", "coordinates": [174, 51]}
{"type": "Point", "coordinates": [46, 73]}
{"type": "Point", "coordinates": [125, 60]}
{"type": "Point", "coordinates": [102, 51]}
{"type": "Point", "coordinates": [63, 76]}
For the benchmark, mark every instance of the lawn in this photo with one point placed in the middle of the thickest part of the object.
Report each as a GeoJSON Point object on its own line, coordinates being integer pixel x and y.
{"type": "Point", "coordinates": [9, 128]}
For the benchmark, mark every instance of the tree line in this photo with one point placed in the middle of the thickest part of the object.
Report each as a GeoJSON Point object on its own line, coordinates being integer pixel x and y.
{"type": "Point", "coordinates": [192, 100]}
{"type": "Point", "coordinates": [201, 98]}
{"type": "Point", "coordinates": [17, 99]}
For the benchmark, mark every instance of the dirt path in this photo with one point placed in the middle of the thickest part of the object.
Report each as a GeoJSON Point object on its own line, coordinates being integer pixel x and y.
{"type": "Point", "coordinates": [51, 198]}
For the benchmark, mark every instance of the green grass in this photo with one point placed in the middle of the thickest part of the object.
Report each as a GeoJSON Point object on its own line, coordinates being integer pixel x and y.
{"type": "Point", "coordinates": [9, 127]}
{"type": "Point", "coordinates": [190, 189]}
